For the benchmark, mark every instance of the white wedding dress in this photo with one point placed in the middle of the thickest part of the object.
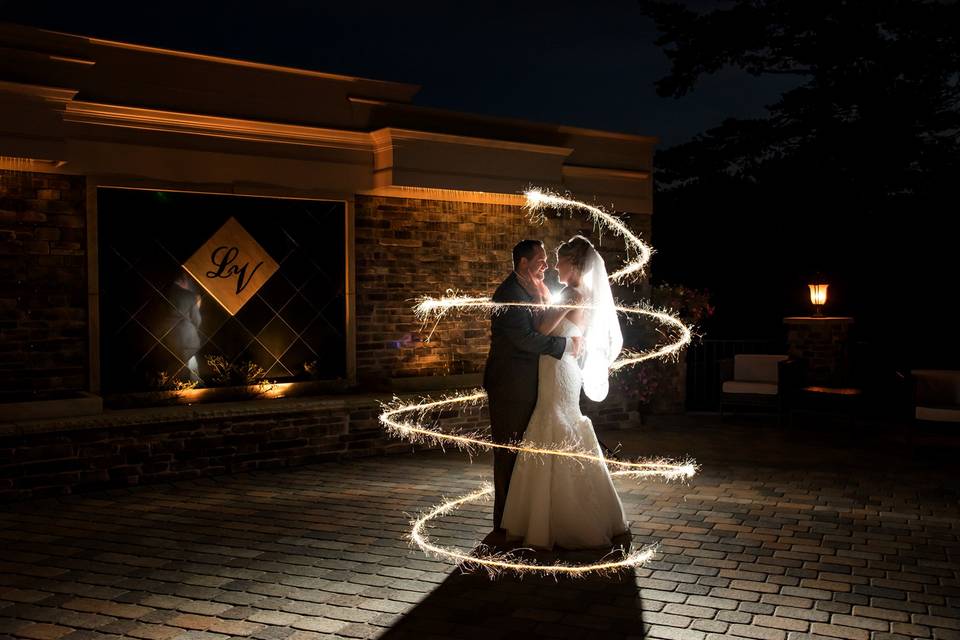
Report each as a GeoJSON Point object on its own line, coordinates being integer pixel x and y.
{"type": "Point", "coordinates": [555, 500]}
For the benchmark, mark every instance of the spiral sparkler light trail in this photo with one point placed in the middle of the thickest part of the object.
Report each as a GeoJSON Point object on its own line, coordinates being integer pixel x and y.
{"type": "Point", "coordinates": [407, 420]}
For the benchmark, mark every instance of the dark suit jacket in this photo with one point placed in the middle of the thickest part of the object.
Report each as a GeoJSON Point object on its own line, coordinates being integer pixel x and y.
{"type": "Point", "coordinates": [513, 364]}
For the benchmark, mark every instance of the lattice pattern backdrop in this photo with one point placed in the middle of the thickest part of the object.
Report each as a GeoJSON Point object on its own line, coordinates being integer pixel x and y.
{"type": "Point", "coordinates": [294, 327]}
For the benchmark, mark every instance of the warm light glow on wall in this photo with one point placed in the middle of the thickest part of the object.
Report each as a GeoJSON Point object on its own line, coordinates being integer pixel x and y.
{"type": "Point", "coordinates": [11, 163]}
{"type": "Point", "coordinates": [263, 389]}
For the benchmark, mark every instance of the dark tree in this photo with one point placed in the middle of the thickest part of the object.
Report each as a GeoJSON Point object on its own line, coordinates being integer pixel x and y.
{"type": "Point", "coordinates": [852, 173]}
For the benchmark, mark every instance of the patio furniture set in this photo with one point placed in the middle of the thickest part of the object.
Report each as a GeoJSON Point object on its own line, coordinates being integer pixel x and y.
{"type": "Point", "coordinates": [779, 384]}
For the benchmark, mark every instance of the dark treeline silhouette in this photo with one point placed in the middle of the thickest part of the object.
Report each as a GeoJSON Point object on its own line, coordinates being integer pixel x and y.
{"type": "Point", "coordinates": [852, 174]}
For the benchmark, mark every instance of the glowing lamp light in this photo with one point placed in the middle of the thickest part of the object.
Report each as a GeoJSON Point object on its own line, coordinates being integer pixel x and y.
{"type": "Point", "coordinates": [818, 297]}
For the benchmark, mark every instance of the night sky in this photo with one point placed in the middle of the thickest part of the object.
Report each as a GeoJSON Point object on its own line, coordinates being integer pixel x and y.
{"type": "Point", "coordinates": [576, 63]}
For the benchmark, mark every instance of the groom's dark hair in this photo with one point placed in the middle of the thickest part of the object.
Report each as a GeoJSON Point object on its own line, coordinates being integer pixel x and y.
{"type": "Point", "coordinates": [525, 249]}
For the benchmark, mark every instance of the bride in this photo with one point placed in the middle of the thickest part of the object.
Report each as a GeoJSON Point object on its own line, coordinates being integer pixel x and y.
{"type": "Point", "coordinates": [553, 500]}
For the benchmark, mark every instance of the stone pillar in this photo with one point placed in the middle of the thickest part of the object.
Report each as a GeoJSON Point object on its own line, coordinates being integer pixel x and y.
{"type": "Point", "coordinates": [823, 342]}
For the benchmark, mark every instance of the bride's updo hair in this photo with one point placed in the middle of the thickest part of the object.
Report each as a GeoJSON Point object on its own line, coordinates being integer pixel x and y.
{"type": "Point", "coordinates": [576, 249]}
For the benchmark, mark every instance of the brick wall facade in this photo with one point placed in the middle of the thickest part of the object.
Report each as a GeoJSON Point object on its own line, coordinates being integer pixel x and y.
{"type": "Point", "coordinates": [169, 443]}
{"type": "Point", "coordinates": [405, 248]}
{"type": "Point", "coordinates": [43, 284]}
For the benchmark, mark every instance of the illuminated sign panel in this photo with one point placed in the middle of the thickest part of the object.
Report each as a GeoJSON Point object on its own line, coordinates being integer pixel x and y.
{"type": "Point", "coordinates": [231, 266]}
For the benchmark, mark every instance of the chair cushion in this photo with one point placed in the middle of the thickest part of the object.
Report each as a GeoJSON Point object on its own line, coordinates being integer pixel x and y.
{"type": "Point", "coordinates": [939, 414]}
{"type": "Point", "coordinates": [756, 367]}
{"type": "Point", "coordinates": [757, 388]}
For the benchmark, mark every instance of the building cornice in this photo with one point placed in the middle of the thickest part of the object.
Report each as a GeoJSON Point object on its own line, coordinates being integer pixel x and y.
{"type": "Point", "coordinates": [411, 88]}
{"type": "Point", "coordinates": [389, 136]}
{"type": "Point", "coordinates": [33, 55]}
{"type": "Point", "coordinates": [53, 94]}
{"type": "Point", "coordinates": [564, 129]}
{"type": "Point", "coordinates": [405, 88]}
{"type": "Point", "coordinates": [214, 126]}
{"type": "Point", "coordinates": [578, 171]}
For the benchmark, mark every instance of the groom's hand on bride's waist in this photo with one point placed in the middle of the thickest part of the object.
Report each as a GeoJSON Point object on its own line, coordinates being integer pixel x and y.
{"type": "Point", "coordinates": [574, 346]}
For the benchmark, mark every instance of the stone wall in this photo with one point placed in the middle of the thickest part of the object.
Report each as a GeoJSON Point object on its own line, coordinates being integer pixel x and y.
{"type": "Point", "coordinates": [43, 284]}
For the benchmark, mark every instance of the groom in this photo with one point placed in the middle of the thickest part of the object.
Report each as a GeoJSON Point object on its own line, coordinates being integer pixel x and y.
{"type": "Point", "coordinates": [512, 370]}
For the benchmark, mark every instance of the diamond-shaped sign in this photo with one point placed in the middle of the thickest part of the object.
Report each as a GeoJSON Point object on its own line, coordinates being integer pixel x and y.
{"type": "Point", "coordinates": [231, 266]}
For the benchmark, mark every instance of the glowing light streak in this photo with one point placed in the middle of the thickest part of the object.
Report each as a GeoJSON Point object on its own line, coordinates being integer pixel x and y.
{"type": "Point", "coordinates": [439, 307]}
{"type": "Point", "coordinates": [472, 442]}
{"type": "Point", "coordinates": [405, 419]}
{"type": "Point", "coordinates": [538, 199]}
{"type": "Point", "coordinates": [495, 563]}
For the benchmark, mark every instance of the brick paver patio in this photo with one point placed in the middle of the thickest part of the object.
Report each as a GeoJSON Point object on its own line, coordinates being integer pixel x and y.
{"type": "Point", "coordinates": [783, 534]}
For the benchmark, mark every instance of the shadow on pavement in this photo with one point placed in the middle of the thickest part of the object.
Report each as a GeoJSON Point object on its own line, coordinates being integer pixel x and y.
{"type": "Point", "coordinates": [474, 605]}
